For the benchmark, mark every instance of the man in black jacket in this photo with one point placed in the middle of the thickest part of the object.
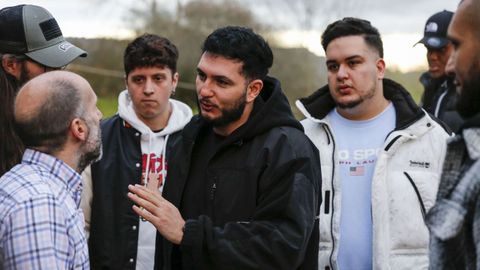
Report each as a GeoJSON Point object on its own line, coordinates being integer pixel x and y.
{"type": "Point", "coordinates": [439, 96]}
{"type": "Point", "coordinates": [136, 147]}
{"type": "Point", "coordinates": [243, 185]}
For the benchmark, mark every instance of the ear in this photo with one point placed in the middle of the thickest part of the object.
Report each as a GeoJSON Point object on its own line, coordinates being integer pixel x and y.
{"type": "Point", "coordinates": [175, 79]}
{"type": "Point", "coordinates": [253, 90]}
{"type": "Point", "coordinates": [380, 68]}
{"type": "Point", "coordinates": [79, 129]}
{"type": "Point", "coordinates": [11, 66]}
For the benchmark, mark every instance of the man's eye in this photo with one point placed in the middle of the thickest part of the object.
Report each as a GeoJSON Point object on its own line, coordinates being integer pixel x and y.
{"type": "Point", "coordinates": [332, 67]}
{"type": "Point", "coordinates": [222, 82]}
{"type": "Point", "coordinates": [455, 44]}
{"type": "Point", "coordinates": [353, 63]}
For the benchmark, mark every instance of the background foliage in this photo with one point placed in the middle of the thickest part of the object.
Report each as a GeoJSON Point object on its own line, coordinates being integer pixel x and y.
{"type": "Point", "coordinates": [300, 71]}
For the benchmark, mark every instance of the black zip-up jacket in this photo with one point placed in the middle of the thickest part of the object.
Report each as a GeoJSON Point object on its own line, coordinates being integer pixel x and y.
{"type": "Point", "coordinates": [440, 100]}
{"type": "Point", "coordinates": [114, 228]}
{"type": "Point", "coordinates": [267, 179]}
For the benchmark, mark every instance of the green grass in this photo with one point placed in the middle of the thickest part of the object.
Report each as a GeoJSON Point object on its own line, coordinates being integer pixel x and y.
{"type": "Point", "coordinates": [107, 105]}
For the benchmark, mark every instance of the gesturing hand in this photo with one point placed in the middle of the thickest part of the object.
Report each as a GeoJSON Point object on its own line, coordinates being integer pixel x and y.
{"type": "Point", "coordinates": [161, 213]}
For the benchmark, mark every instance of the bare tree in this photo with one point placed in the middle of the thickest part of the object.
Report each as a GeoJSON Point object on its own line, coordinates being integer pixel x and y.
{"type": "Point", "coordinates": [311, 14]}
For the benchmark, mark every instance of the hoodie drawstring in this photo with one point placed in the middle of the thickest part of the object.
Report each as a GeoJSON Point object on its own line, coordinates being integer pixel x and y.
{"type": "Point", "coordinates": [164, 164]}
{"type": "Point", "coordinates": [147, 167]}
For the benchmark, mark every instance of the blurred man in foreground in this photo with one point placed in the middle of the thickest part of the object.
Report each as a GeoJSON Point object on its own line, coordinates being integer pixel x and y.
{"type": "Point", "coordinates": [454, 221]}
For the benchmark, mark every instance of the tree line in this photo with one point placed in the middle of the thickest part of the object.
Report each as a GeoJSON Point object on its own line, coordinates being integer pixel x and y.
{"type": "Point", "coordinates": [300, 71]}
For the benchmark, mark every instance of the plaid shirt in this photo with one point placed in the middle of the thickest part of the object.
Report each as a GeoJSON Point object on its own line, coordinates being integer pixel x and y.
{"type": "Point", "coordinates": [41, 225]}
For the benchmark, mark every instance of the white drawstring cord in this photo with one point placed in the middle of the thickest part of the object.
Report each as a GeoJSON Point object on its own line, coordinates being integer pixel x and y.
{"type": "Point", "coordinates": [147, 167]}
{"type": "Point", "coordinates": [164, 164]}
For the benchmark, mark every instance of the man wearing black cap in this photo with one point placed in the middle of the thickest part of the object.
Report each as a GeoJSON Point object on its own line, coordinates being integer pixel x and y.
{"type": "Point", "coordinates": [31, 43]}
{"type": "Point", "coordinates": [439, 97]}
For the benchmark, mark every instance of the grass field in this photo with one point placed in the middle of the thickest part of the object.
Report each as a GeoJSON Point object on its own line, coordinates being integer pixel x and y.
{"type": "Point", "coordinates": [107, 105]}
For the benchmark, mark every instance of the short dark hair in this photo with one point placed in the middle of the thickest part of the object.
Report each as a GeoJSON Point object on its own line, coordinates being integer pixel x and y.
{"type": "Point", "coordinates": [48, 126]}
{"type": "Point", "coordinates": [150, 50]}
{"type": "Point", "coordinates": [241, 43]}
{"type": "Point", "coordinates": [349, 26]}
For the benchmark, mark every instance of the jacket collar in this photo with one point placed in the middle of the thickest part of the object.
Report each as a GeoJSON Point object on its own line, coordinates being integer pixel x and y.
{"type": "Point", "coordinates": [320, 103]}
{"type": "Point", "coordinates": [61, 174]}
{"type": "Point", "coordinates": [271, 109]}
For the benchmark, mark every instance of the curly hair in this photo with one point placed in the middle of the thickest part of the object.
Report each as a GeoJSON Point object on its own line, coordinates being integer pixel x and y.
{"type": "Point", "coordinates": [150, 50]}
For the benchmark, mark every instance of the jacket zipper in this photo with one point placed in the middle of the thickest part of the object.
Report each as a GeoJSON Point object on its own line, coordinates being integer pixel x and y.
{"type": "Point", "coordinates": [212, 197]}
{"type": "Point", "coordinates": [419, 197]}
{"type": "Point", "coordinates": [212, 191]}
{"type": "Point", "coordinates": [440, 99]}
{"type": "Point", "coordinates": [392, 142]}
{"type": "Point", "coordinates": [326, 209]}
{"type": "Point", "coordinates": [329, 135]}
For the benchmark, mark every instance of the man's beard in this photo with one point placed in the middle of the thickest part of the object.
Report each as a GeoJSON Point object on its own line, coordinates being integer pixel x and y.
{"type": "Point", "coordinates": [229, 115]}
{"type": "Point", "coordinates": [468, 103]}
{"type": "Point", "coordinates": [92, 150]}
{"type": "Point", "coordinates": [24, 76]}
{"type": "Point", "coordinates": [354, 103]}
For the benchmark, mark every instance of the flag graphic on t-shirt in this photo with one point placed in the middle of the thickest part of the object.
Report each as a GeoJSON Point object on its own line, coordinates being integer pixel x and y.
{"type": "Point", "coordinates": [357, 170]}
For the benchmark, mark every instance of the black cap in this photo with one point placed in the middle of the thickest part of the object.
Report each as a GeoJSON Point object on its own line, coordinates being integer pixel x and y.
{"type": "Point", "coordinates": [32, 31]}
{"type": "Point", "coordinates": [435, 34]}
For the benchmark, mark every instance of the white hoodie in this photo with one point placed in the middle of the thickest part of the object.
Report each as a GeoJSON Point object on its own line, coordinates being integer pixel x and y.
{"type": "Point", "coordinates": [153, 145]}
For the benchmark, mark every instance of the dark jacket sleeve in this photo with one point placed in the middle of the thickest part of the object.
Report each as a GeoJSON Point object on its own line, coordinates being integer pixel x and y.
{"type": "Point", "coordinates": [281, 228]}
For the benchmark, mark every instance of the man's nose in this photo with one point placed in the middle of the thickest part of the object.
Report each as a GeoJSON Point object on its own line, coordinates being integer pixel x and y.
{"type": "Point", "coordinates": [149, 87]}
{"type": "Point", "coordinates": [205, 89]}
{"type": "Point", "coordinates": [342, 72]}
{"type": "Point", "coordinates": [450, 67]}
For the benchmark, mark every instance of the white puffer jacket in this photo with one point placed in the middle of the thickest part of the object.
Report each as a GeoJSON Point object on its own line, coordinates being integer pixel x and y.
{"type": "Point", "coordinates": [404, 184]}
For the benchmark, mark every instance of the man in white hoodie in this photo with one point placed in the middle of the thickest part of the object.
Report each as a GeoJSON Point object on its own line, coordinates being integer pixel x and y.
{"type": "Point", "coordinates": [137, 142]}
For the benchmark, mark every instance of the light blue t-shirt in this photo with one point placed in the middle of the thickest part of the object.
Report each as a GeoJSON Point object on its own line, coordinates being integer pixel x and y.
{"type": "Point", "coordinates": [358, 144]}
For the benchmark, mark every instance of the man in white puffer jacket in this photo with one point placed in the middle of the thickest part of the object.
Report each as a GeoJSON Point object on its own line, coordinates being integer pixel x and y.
{"type": "Point", "coordinates": [381, 157]}
{"type": "Point", "coordinates": [136, 146]}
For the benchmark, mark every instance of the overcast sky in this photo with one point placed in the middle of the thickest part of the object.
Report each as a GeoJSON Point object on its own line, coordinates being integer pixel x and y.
{"type": "Point", "coordinates": [400, 22]}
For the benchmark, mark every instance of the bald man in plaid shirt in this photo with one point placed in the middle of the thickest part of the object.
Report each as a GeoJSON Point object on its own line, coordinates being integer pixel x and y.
{"type": "Point", "coordinates": [41, 226]}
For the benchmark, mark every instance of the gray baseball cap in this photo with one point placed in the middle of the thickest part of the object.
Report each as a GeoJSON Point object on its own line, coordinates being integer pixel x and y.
{"type": "Point", "coordinates": [32, 31]}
